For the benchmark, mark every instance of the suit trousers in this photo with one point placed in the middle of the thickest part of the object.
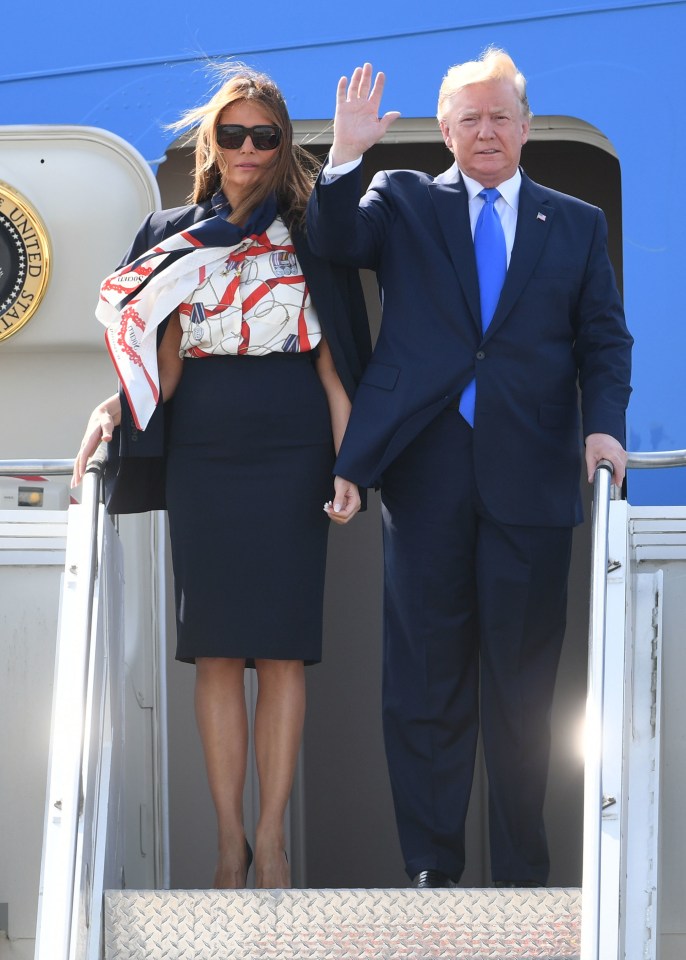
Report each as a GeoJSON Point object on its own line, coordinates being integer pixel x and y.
{"type": "Point", "coordinates": [474, 618]}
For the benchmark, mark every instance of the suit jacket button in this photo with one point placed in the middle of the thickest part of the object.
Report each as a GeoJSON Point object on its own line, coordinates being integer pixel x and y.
{"type": "Point", "coordinates": [481, 355]}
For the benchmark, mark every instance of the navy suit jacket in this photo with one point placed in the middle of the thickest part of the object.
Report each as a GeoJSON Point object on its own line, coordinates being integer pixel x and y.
{"type": "Point", "coordinates": [559, 322]}
{"type": "Point", "coordinates": [134, 474]}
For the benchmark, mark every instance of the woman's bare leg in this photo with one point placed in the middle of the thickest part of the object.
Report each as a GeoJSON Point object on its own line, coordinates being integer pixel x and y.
{"type": "Point", "coordinates": [223, 724]}
{"type": "Point", "coordinates": [279, 717]}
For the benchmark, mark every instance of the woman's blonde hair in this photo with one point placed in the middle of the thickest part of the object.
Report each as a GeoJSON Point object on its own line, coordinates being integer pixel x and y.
{"type": "Point", "coordinates": [293, 171]}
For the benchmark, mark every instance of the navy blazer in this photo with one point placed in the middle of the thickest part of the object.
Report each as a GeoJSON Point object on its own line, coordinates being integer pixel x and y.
{"type": "Point", "coordinates": [134, 473]}
{"type": "Point", "coordinates": [559, 322]}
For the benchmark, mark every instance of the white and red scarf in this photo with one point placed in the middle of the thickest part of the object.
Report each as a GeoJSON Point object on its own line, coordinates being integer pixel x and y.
{"type": "Point", "coordinates": [257, 302]}
{"type": "Point", "coordinates": [140, 295]}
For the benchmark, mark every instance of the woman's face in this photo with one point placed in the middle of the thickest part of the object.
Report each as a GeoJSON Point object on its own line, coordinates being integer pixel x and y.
{"type": "Point", "coordinates": [243, 167]}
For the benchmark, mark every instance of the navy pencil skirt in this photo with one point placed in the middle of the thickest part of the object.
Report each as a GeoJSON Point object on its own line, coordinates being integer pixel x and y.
{"type": "Point", "coordinates": [249, 467]}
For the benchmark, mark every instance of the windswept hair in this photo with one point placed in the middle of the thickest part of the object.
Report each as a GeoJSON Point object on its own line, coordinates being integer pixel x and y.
{"type": "Point", "coordinates": [493, 64]}
{"type": "Point", "coordinates": [293, 171]}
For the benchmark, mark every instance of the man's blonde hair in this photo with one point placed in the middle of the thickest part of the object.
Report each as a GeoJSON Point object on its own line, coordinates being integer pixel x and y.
{"type": "Point", "coordinates": [493, 64]}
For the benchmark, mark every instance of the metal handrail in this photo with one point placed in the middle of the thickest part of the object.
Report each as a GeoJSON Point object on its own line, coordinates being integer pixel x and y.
{"type": "Point", "coordinates": [656, 458]}
{"type": "Point", "coordinates": [636, 460]}
{"type": "Point", "coordinates": [593, 789]}
{"type": "Point", "coordinates": [48, 468]}
{"type": "Point", "coordinates": [58, 874]}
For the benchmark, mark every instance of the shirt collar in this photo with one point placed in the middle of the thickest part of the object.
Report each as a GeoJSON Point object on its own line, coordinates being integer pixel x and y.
{"type": "Point", "coordinates": [508, 189]}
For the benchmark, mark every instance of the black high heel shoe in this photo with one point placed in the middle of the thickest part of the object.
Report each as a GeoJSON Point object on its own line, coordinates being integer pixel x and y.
{"type": "Point", "coordinates": [248, 850]}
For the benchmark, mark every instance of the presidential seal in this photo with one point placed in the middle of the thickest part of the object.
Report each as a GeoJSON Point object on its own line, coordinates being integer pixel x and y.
{"type": "Point", "coordinates": [24, 261]}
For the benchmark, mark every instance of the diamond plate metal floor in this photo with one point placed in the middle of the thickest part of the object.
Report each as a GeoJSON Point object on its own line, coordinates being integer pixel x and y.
{"type": "Point", "coordinates": [475, 924]}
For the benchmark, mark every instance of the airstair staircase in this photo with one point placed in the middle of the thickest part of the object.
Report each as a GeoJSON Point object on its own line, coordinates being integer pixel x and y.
{"type": "Point", "coordinates": [86, 912]}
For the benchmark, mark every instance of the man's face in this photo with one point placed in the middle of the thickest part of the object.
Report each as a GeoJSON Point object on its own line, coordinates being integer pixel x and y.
{"type": "Point", "coordinates": [485, 129]}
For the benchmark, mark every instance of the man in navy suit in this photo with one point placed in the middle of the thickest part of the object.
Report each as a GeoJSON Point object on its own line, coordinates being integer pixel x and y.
{"type": "Point", "coordinates": [478, 506]}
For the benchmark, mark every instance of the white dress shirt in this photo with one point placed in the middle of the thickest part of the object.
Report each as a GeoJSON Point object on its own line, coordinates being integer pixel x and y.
{"type": "Point", "coordinates": [506, 205]}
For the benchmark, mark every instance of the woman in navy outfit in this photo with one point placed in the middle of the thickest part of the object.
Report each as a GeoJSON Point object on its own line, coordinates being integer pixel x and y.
{"type": "Point", "coordinates": [237, 352]}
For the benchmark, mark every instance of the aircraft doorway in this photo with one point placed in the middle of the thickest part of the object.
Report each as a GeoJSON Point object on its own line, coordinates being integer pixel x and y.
{"type": "Point", "coordinates": [343, 828]}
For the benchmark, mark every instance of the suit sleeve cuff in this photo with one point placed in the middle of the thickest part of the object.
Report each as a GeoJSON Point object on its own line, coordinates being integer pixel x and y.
{"type": "Point", "coordinates": [330, 173]}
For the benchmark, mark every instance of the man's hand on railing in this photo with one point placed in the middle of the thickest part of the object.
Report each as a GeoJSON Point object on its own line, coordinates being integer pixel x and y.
{"type": "Point", "coordinates": [601, 446]}
{"type": "Point", "coordinates": [101, 423]}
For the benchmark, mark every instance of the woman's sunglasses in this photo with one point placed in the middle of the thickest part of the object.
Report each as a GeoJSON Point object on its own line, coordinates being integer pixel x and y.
{"type": "Point", "coordinates": [230, 136]}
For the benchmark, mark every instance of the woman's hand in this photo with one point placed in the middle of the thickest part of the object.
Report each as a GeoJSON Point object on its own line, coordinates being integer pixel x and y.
{"type": "Point", "coordinates": [346, 501]}
{"type": "Point", "coordinates": [101, 423]}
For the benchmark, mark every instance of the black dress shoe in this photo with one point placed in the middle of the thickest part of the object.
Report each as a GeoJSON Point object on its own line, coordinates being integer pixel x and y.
{"type": "Point", "coordinates": [431, 878]}
{"type": "Point", "coordinates": [517, 883]}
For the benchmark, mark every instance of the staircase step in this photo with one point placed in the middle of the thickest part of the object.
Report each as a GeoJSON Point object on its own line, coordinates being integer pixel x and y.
{"type": "Point", "coordinates": [395, 924]}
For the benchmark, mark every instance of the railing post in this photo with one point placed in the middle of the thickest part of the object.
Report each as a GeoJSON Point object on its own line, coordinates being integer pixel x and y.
{"type": "Point", "coordinates": [63, 802]}
{"type": "Point", "coordinates": [593, 788]}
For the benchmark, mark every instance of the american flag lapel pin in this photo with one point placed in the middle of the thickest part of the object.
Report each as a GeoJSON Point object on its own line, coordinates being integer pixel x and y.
{"type": "Point", "coordinates": [540, 216]}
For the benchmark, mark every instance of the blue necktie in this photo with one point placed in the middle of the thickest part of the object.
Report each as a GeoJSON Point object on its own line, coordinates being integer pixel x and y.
{"type": "Point", "coordinates": [491, 265]}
